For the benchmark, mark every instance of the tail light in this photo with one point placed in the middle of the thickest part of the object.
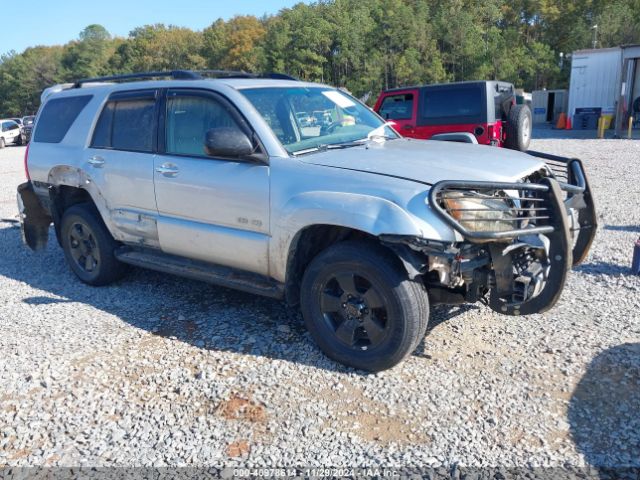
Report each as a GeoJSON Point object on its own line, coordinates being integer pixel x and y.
{"type": "Point", "coordinates": [492, 131]}
{"type": "Point", "coordinates": [26, 165]}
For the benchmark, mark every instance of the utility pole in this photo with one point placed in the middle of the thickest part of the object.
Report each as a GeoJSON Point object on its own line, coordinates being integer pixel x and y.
{"type": "Point", "coordinates": [595, 35]}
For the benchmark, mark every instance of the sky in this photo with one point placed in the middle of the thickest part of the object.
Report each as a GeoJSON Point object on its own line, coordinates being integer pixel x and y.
{"type": "Point", "coordinates": [47, 22]}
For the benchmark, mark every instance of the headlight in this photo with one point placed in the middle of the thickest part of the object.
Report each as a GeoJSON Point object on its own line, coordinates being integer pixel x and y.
{"type": "Point", "coordinates": [481, 213]}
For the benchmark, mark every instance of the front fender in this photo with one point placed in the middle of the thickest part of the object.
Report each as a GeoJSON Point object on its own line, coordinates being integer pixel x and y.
{"type": "Point", "coordinates": [370, 214]}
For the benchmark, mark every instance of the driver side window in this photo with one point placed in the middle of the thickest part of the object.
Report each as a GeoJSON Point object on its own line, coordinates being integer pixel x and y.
{"type": "Point", "coordinates": [189, 118]}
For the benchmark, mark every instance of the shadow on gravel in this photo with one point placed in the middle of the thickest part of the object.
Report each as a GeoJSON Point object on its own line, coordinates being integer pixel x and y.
{"type": "Point", "coordinates": [623, 228]}
{"type": "Point", "coordinates": [202, 315]}
{"type": "Point", "coordinates": [45, 301]}
{"type": "Point", "coordinates": [604, 410]}
{"type": "Point", "coordinates": [604, 268]}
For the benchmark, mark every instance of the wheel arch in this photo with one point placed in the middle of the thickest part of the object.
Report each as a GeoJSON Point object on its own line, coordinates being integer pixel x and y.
{"type": "Point", "coordinates": [325, 213]}
{"type": "Point", "coordinates": [314, 239]}
{"type": "Point", "coordinates": [71, 186]}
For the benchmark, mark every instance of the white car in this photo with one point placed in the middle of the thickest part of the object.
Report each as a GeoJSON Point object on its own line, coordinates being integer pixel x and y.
{"type": "Point", "coordinates": [9, 133]}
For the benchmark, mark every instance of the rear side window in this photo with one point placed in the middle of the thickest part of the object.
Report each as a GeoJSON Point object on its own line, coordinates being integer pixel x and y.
{"type": "Point", "coordinates": [397, 107]}
{"type": "Point", "coordinates": [126, 124]}
{"type": "Point", "coordinates": [452, 105]}
{"type": "Point", "coordinates": [57, 117]}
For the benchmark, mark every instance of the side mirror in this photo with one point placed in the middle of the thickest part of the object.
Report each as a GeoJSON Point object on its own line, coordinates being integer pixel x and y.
{"type": "Point", "coordinates": [229, 142]}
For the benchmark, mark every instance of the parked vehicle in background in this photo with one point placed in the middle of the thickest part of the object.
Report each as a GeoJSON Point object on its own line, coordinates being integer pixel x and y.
{"type": "Point", "coordinates": [22, 139]}
{"type": "Point", "coordinates": [215, 179]}
{"type": "Point", "coordinates": [486, 110]}
{"type": "Point", "coordinates": [10, 133]}
{"type": "Point", "coordinates": [27, 127]}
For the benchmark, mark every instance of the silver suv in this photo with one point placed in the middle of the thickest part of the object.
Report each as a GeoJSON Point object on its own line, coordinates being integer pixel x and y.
{"type": "Point", "coordinates": [222, 180]}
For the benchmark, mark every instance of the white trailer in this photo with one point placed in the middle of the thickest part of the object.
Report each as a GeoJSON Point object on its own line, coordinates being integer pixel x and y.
{"type": "Point", "coordinates": [595, 79]}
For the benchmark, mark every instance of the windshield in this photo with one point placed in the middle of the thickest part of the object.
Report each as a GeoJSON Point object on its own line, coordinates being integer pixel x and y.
{"type": "Point", "coordinates": [310, 119]}
{"type": "Point", "coordinates": [28, 120]}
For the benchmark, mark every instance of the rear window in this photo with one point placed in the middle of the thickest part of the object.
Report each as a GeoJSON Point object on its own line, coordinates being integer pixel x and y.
{"type": "Point", "coordinates": [452, 105]}
{"type": "Point", "coordinates": [397, 107]}
{"type": "Point", "coordinates": [57, 117]}
{"type": "Point", "coordinates": [126, 125]}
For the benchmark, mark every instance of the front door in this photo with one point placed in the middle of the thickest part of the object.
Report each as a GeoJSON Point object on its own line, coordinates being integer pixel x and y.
{"type": "Point", "coordinates": [211, 209]}
{"type": "Point", "coordinates": [400, 108]}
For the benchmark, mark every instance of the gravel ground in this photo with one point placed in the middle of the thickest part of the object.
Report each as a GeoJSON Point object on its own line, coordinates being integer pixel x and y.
{"type": "Point", "coordinates": [158, 370]}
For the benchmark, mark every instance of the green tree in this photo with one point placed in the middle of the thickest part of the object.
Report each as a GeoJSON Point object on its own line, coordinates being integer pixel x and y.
{"type": "Point", "coordinates": [363, 46]}
{"type": "Point", "coordinates": [90, 54]}
{"type": "Point", "coordinates": [160, 47]}
{"type": "Point", "coordinates": [24, 76]}
{"type": "Point", "coordinates": [234, 45]}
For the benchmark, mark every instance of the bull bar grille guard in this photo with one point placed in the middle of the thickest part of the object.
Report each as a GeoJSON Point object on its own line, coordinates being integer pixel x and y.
{"type": "Point", "coordinates": [549, 200]}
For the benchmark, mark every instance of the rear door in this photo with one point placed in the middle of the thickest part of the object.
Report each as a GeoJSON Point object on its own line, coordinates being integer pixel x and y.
{"type": "Point", "coordinates": [120, 161]}
{"type": "Point", "coordinates": [210, 208]}
{"type": "Point", "coordinates": [400, 107]}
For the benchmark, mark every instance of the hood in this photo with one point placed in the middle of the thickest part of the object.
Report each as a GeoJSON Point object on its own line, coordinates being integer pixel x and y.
{"type": "Point", "coordinates": [430, 161]}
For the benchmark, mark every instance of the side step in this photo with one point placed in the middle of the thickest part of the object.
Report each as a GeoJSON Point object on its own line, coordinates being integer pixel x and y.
{"type": "Point", "coordinates": [205, 272]}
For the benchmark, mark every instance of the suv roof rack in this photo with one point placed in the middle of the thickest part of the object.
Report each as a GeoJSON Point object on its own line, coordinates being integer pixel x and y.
{"type": "Point", "coordinates": [183, 75]}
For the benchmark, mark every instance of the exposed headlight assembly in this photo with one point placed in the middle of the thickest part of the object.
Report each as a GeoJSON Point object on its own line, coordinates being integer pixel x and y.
{"type": "Point", "coordinates": [481, 213]}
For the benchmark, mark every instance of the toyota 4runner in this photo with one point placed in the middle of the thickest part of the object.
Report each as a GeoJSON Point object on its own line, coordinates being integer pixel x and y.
{"type": "Point", "coordinates": [219, 179]}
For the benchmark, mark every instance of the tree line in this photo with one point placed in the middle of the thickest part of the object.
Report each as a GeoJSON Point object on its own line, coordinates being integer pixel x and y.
{"type": "Point", "coordinates": [364, 46]}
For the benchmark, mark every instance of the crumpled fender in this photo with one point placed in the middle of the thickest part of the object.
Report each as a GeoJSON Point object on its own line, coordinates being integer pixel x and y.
{"type": "Point", "coordinates": [370, 214]}
{"type": "Point", "coordinates": [63, 175]}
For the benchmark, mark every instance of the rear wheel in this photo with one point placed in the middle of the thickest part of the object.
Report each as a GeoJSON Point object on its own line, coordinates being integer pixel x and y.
{"type": "Point", "coordinates": [361, 308]}
{"type": "Point", "coordinates": [519, 126]}
{"type": "Point", "coordinates": [89, 247]}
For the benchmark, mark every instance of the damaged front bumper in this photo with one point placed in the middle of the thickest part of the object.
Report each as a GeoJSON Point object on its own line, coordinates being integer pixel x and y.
{"type": "Point", "coordinates": [521, 267]}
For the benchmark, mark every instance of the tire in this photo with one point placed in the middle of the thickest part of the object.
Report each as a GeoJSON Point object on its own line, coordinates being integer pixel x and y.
{"type": "Point", "coordinates": [89, 247]}
{"type": "Point", "coordinates": [2, 144]}
{"type": "Point", "coordinates": [519, 125]}
{"type": "Point", "coordinates": [19, 142]}
{"type": "Point", "coordinates": [361, 308]}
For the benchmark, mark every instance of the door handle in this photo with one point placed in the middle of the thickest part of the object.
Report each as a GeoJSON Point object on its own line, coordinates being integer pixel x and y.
{"type": "Point", "coordinates": [408, 127]}
{"type": "Point", "coordinates": [167, 169]}
{"type": "Point", "coordinates": [97, 161]}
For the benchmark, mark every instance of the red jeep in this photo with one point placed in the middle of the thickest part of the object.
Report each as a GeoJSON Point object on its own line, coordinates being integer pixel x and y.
{"type": "Point", "coordinates": [483, 111]}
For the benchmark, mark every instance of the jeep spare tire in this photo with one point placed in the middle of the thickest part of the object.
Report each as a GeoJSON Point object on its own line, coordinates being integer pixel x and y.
{"type": "Point", "coordinates": [519, 126]}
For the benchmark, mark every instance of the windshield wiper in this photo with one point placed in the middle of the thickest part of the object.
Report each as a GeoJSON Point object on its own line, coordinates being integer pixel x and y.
{"type": "Point", "coordinates": [332, 146]}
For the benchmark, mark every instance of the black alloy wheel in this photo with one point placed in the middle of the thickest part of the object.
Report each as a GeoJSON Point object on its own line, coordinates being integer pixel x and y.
{"type": "Point", "coordinates": [354, 309]}
{"type": "Point", "coordinates": [360, 306]}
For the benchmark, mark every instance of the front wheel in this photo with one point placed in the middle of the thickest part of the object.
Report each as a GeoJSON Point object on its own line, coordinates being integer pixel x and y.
{"type": "Point", "coordinates": [89, 247]}
{"type": "Point", "coordinates": [361, 308]}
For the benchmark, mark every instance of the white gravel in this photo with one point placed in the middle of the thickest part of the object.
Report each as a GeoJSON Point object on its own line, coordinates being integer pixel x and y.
{"type": "Point", "coordinates": [158, 370]}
